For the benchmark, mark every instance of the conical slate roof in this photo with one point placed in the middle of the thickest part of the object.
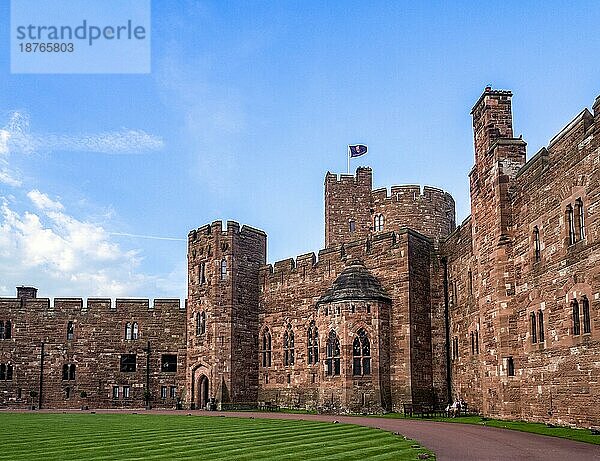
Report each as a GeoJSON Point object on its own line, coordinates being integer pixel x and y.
{"type": "Point", "coordinates": [355, 282]}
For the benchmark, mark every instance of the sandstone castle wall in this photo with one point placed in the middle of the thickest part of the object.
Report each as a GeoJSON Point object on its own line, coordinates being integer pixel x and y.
{"type": "Point", "coordinates": [95, 348]}
{"type": "Point", "coordinates": [502, 311]}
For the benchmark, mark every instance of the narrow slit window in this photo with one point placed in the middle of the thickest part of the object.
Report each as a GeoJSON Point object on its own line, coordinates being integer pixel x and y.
{"type": "Point", "coordinates": [537, 248]}
{"type": "Point", "coordinates": [576, 321]}
{"type": "Point", "coordinates": [223, 269]}
{"type": "Point", "coordinates": [201, 323]}
{"type": "Point", "coordinates": [70, 331]}
{"type": "Point", "coordinates": [579, 220]}
{"type": "Point", "coordinates": [587, 324]}
{"type": "Point", "coordinates": [510, 366]}
{"type": "Point", "coordinates": [470, 282]}
{"type": "Point", "coordinates": [533, 328]}
{"type": "Point", "coordinates": [571, 224]}
{"type": "Point", "coordinates": [202, 273]}
{"type": "Point", "coordinates": [313, 344]}
{"type": "Point", "coordinates": [541, 326]}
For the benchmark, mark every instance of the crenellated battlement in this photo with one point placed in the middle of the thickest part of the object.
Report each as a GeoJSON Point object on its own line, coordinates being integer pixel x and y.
{"type": "Point", "coordinates": [140, 305]}
{"type": "Point", "coordinates": [328, 261]}
{"type": "Point", "coordinates": [216, 228]}
{"type": "Point", "coordinates": [414, 193]}
{"type": "Point", "coordinates": [362, 176]}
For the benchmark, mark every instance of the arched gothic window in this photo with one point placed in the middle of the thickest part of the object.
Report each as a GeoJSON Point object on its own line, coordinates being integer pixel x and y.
{"type": "Point", "coordinates": [223, 269]}
{"type": "Point", "coordinates": [128, 331]}
{"type": "Point", "coordinates": [576, 322]}
{"type": "Point", "coordinates": [135, 331]}
{"type": "Point", "coordinates": [288, 346]}
{"type": "Point", "coordinates": [361, 352]}
{"type": "Point", "coordinates": [333, 355]}
{"type": "Point", "coordinates": [266, 348]}
{"type": "Point", "coordinates": [378, 222]}
{"type": "Point", "coordinates": [200, 323]}
{"type": "Point", "coordinates": [313, 344]}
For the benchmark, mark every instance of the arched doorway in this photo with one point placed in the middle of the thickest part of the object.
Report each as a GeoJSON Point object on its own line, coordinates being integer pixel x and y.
{"type": "Point", "coordinates": [202, 393]}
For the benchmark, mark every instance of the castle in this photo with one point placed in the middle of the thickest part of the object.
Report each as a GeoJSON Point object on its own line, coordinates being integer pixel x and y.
{"type": "Point", "coordinates": [400, 307]}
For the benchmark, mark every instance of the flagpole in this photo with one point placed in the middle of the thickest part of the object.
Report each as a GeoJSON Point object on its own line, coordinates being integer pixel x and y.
{"type": "Point", "coordinates": [348, 158]}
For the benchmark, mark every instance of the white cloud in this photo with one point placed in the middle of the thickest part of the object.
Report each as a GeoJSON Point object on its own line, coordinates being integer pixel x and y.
{"type": "Point", "coordinates": [8, 177]}
{"type": "Point", "coordinates": [43, 202]}
{"type": "Point", "coordinates": [44, 245]}
{"type": "Point", "coordinates": [64, 252]}
{"type": "Point", "coordinates": [16, 137]}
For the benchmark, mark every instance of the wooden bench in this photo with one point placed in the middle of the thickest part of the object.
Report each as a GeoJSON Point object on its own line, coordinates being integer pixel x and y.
{"type": "Point", "coordinates": [268, 406]}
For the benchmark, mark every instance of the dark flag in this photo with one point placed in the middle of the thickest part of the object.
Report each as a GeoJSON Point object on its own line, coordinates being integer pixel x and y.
{"type": "Point", "coordinates": [357, 150]}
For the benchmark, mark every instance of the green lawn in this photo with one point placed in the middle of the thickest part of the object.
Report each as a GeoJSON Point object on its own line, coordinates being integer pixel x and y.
{"type": "Point", "coordinates": [581, 435]}
{"type": "Point", "coordinates": [109, 436]}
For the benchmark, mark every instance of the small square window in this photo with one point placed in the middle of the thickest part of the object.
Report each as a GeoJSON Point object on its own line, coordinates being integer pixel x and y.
{"type": "Point", "coordinates": [128, 363]}
{"type": "Point", "coordinates": [168, 363]}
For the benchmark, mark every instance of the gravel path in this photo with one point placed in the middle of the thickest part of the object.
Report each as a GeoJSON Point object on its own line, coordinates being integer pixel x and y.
{"type": "Point", "coordinates": [454, 441]}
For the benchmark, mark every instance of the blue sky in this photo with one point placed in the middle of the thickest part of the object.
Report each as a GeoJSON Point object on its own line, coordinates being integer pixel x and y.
{"type": "Point", "coordinates": [247, 106]}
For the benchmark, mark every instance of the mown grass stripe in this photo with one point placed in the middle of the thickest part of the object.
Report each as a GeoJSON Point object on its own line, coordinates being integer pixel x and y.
{"type": "Point", "coordinates": [155, 437]}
